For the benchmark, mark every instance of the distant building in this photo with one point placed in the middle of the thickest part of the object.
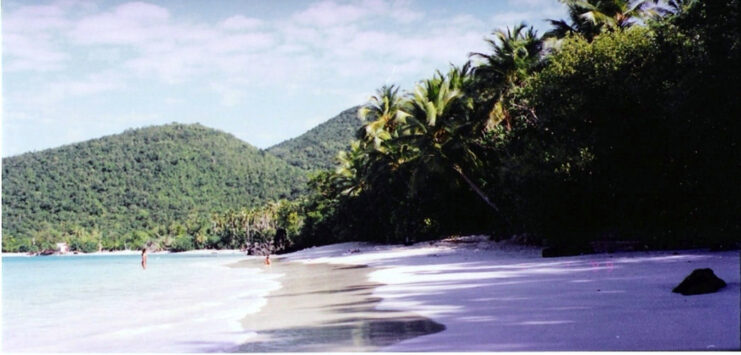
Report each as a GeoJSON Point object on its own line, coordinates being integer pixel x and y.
{"type": "Point", "coordinates": [62, 248]}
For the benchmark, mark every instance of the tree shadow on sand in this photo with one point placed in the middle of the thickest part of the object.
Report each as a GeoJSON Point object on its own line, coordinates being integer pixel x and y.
{"type": "Point", "coordinates": [349, 319]}
{"type": "Point", "coordinates": [352, 334]}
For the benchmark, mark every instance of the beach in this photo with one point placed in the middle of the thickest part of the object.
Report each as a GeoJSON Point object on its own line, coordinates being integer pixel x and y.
{"type": "Point", "coordinates": [457, 294]}
{"type": "Point", "coordinates": [492, 296]}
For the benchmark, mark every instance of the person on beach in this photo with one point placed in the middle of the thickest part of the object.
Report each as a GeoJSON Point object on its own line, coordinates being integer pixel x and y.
{"type": "Point", "coordinates": [267, 260]}
{"type": "Point", "coordinates": [144, 258]}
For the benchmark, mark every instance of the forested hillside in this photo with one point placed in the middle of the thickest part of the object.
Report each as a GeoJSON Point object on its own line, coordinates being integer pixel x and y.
{"type": "Point", "coordinates": [141, 184]}
{"type": "Point", "coordinates": [318, 148]}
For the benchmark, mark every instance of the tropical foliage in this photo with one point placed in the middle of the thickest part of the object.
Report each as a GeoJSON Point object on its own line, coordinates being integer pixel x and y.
{"type": "Point", "coordinates": [623, 130]}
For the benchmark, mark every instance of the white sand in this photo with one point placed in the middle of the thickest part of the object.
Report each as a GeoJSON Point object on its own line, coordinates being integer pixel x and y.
{"type": "Point", "coordinates": [499, 297]}
{"type": "Point", "coordinates": [214, 252]}
{"type": "Point", "coordinates": [14, 254]}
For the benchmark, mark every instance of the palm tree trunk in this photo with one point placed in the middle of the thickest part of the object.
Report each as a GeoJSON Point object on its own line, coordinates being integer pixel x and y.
{"type": "Point", "coordinates": [475, 188]}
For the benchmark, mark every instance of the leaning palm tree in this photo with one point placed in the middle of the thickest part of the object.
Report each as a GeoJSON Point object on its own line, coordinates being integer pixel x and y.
{"type": "Point", "coordinates": [436, 128]}
{"type": "Point", "coordinates": [516, 53]}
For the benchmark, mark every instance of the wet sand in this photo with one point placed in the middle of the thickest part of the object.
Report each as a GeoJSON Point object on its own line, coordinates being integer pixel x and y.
{"type": "Point", "coordinates": [323, 307]}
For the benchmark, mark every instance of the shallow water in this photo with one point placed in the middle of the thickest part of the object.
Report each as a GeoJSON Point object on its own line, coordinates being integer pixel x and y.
{"type": "Point", "coordinates": [85, 303]}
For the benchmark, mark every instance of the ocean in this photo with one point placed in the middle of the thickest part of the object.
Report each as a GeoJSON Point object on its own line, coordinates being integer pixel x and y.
{"type": "Point", "coordinates": [108, 303]}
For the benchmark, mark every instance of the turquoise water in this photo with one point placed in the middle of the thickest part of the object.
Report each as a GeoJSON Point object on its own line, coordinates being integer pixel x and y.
{"type": "Point", "coordinates": [106, 303]}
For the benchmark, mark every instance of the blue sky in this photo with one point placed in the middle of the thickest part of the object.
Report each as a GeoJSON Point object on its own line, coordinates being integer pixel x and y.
{"type": "Point", "coordinates": [264, 71]}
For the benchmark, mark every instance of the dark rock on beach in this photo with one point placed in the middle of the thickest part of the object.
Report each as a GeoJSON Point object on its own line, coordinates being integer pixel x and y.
{"type": "Point", "coordinates": [700, 281]}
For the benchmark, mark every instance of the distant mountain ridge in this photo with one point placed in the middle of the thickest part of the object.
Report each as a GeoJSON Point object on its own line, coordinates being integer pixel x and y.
{"type": "Point", "coordinates": [318, 147]}
{"type": "Point", "coordinates": [141, 179]}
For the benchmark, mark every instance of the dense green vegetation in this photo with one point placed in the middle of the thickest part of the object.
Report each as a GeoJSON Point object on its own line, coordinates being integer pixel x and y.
{"type": "Point", "coordinates": [317, 148]}
{"type": "Point", "coordinates": [150, 185]}
{"type": "Point", "coordinates": [621, 123]}
{"type": "Point", "coordinates": [273, 226]}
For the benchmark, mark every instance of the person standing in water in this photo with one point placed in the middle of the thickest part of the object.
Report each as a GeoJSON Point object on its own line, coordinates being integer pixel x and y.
{"type": "Point", "coordinates": [267, 260]}
{"type": "Point", "coordinates": [144, 258]}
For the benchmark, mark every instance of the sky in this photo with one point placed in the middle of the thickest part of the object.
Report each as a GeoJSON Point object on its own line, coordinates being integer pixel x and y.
{"type": "Point", "coordinates": [265, 71]}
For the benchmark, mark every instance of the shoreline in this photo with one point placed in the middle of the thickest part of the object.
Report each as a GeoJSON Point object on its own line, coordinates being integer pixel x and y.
{"type": "Point", "coordinates": [328, 308]}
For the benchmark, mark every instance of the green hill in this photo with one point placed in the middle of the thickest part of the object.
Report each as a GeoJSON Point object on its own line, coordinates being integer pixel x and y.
{"type": "Point", "coordinates": [142, 180]}
{"type": "Point", "coordinates": [317, 148]}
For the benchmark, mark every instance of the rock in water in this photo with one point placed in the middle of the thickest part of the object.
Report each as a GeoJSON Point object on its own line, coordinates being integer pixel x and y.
{"type": "Point", "coordinates": [700, 281]}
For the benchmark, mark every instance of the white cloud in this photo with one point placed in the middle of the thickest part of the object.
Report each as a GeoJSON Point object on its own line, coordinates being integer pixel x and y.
{"type": "Point", "coordinates": [329, 13]}
{"type": "Point", "coordinates": [326, 41]}
{"type": "Point", "coordinates": [93, 84]}
{"type": "Point", "coordinates": [173, 101]}
{"type": "Point", "coordinates": [110, 56]}
{"type": "Point", "coordinates": [32, 19]}
{"type": "Point", "coordinates": [230, 95]}
{"type": "Point", "coordinates": [142, 12]}
{"type": "Point", "coordinates": [28, 41]}
{"type": "Point", "coordinates": [173, 65]}
{"type": "Point", "coordinates": [246, 42]}
{"type": "Point", "coordinates": [402, 12]}
{"type": "Point", "coordinates": [240, 23]}
{"type": "Point", "coordinates": [128, 24]}
{"type": "Point", "coordinates": [531, 3]}
{"type": "Point", "coordinates": [467, 21]}
{"type": "Point", "coordinates": [50, 93]}
{"type": "Point", "coordinates": [336, 51]}
{"type": "Point", "coordinates": [34, 52]}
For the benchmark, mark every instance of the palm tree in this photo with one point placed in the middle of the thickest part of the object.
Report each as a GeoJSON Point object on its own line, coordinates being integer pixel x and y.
{"type": "Point", "coordinates": [374, 155]}
{"type": "Point", "coordinates": [618, 14]}
{"type": "Point", "coordinates": [515, 54]}
{"type": "Point", "coordinates": [435, 128]}
{"type": "Point", "coordinates": [382, 114]}
{"type": "Point", "coordinates": [673, 7]}
{"type": "Point", "coordinates": [589, 18]}
{"type": "Point", "coordinates": [347, 178]}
